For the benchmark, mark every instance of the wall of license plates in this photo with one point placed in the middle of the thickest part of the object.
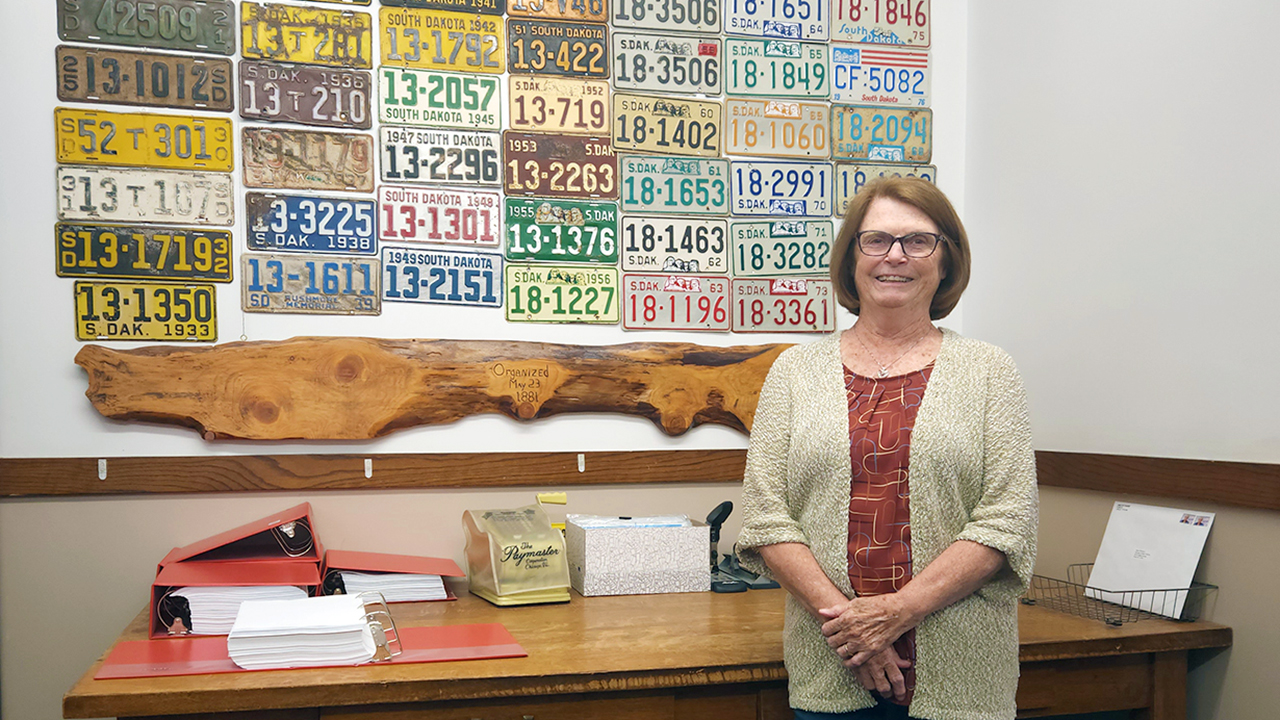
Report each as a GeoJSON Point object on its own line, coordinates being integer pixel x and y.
{"type": "Point", "coordinates": [653, 164]}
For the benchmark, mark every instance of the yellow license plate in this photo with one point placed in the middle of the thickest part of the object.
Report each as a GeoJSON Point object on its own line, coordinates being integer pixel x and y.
{"type": "Point", "coordinates": [334, 38]}
{"type": "Point", "coordinates": [777, 128]}
{"type": "Point", "coordinates": [559, 105]}
{"type": "Point", "coordinates": [442, 40]}
{"type": "Point", "coordinates": [174, 312]}
{"type": "Point", "coordinates": [579, 10]}
{"type": "Point", "coordinates": [887, 134]}
{"type": "Point", "coordinates": [97, 137]}
{"type": "Point", "coordinates": [667, 125]}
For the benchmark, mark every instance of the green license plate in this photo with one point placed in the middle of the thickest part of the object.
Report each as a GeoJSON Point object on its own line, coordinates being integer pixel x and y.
{"type": "Point", "coordinates": [143, 78]}
{"type": "Point", "coordinates": [766, 248]}
{"type": "Point", "coordinates": [173, 312]}
{"type": "Point", "coordinates": [561, 294]}
{"type": "Point", "coordinates": [687, 186]}
{"type": "Point", "coordinates": [850, 177]}
{"type": "Point", "coordinates": [882, 134]}
{"type": "Point", "coordinates": [431, 98]}
{"type": "Point", "coordinates": [310, 284]}
{"type": "Point", "coordinates": [144, 252]}
{"type": "Point", "coordinates": [284, 33]}
{"type": "Point", "coordinates": [777, 68]}
{"type": "Point", "coordinates": [205, 26]}
{"type": "Point", "coordinates": [561, 230]}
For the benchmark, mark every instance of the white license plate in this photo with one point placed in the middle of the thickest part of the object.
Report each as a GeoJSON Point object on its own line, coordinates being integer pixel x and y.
{"type": "Point", "coordinates": [776, 188]}
{"type": "Point", "coordinates": [666, 64]}
{"type": "Point", "coordinates": [850, 177]}
{"type": "Point", "coordinates": [432, 98]}
{"type": "Point", "coordinates": [668, 125]}
{"type": "Point", "coordinates": [880, 75]}
{"type": "Point", "coordinates": [883, 22]}
{"type": "Point", "coordinates": [686, 186]}
{"type": "Point", "coordinates": [788, 19]}
{"type": "Point", "coordinates": [562, 294]}
{"type": "Point", "coordinates": [440, 216]}
{"type": "Point", "coordinates": [766, 248]}
{"type": "Point", "coordinates": [419, 275]}
{"type": "Point", "coordinates": [778, 128]}
{"type": "Point", "coordinates": [783, 305]}
{"type": "Point", "coordinates": [675, 302]}
{"type": "Point", "coordinates": [675, 16]}
{"type": "Point", "coordinates": [440, 156]}
{"type": "Point", "coordinates": [138, 195]}
{"type": "Point", "coordinates": [777, 68]}
{"type": "Point", "coordinates": [546, 104]}
{"type": "Point", "coordinates": [309, 284]}
{"type": "Point", "coordinates": [674, 245]}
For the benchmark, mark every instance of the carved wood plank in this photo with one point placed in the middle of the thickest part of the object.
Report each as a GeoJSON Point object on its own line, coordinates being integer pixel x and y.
{"type": "Point", "coordinates": [358, 388]}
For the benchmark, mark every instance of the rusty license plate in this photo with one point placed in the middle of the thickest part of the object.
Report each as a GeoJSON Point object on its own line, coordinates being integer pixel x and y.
{"type": "Point", "coordinates": [764, 248]}
{"type": "Point", "coordinates": [560, 166]}
{"type": "Point", "coordinates": [676, 16]}
{"type": "Point", "coordinates": [417, 275]}
{"type": "Point", "coordinates": [484, 7]}
{"type": "Point", "coordinates": [882, 22]}
{"type": "Point", "coordinates": [147, 252]}
{"type": "Point", "coordinates": [205, 26]}
{"type": "Point", "coordinates": [139, 195]}
{"type": "Point", "coordinates": [440, 99]}
{"type": "Point", "coordinates": [667, 125]}
{"type": "Point", "coordinates": [674, 245]}
{"type": "Point", "coordinates": [173, 312]}
{"type": "Point", "coordinates": [778, 128]}
{"type": "Point", "coordinates": [440, 216]}
{"type": "Point", "coordinates": [675, 302]}
{"type": "Point", "coordinates": [307, 159]}
{"type": "Point", "coordinates": [882, 134]}
{"type": "Point", "coordinates": [463, 157]}
{"type": "Point", "coordinates": [291, 34]}
{"type": "Point", "coordinates": [656, 62]}
{"type": "Point", "coordinates": [185, 142]}
{"type": "Point", "coordinates": [777, 68]}
{"type": "Point", "coordinates": [786, 19]}
{"type": "Point", "coordinates": [559, 105]}
{"type": "Point", "coordinates": [561, 230]}
{"type": "Point", "coordinates": [562, 294]}
{"type": "Point", "coordinates": [880, 75]}
{"type": "Point", "coordinates": [309, 284]}
{"type": "Point", "coordinates": [687, 186]}
{"type": "Point", "coordinates": [779, 188]}
{"type": "Point", "coordinates": [783, 305]}
{"type": "Point", "coordinates": [542, 47]}
{"type": "Point", "coordinates": [308, 223]}
{"type": "Point", "coordinates": [305, 94]}
{"type": "Point", "coordinates": [850, 177]}
{"type": "Point", "coordinates": [441, 40]}
{"type": "Point", "coordinates": [577, 10]}
{"type": "Point", "coordinates": [143, 78]}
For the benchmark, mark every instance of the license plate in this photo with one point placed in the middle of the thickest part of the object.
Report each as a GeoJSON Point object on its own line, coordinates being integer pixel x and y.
{"type": "Point", "coordinates": [541, 47]}
{"type": "Point", "coordinates": [143, 78]}
{"type": "Point", "coordinates": [882, 134]}
{"type": "Point", "coordinates": [674, 245]}
{"type": "Point", "coordinates": [688, 186]}
{"type": "Point", "coordinates": [882, 22]}
{"type": "Point", "coordinates": [787, 19]}
{"type": "Point", "coordinates": [486, 7]}
{"type": "Point", "coordinates": [675, 302]}
{"type": "Point", "coordinates": [676, 16]}
{"type": "Point", "coordinates": [783, 305]}
{"type": "Point", "coordinates": [577, 10]}
{"type": "Point", "coordinates": [174, 312]}
{"type": "Point", "coordinates": [664, 64]}
{"type": "Point", "coordinates": [310, 224]}
{"type": "Point", "coordinates": [469, 218]}
{"type": "Point", "coordinates": [562, 294]}
{"type": "Point", "coordinates": [446, 278]}
{"type": "Point", "coordinates": [764, 248]}
{"type": "Point", "coordinates": [307, 159]}
{"type": "Point", "coordinates": [561, 230]}
{"type": "Point", "coordinates": [305, 95]}
{"type": "Point", "coordinates": [440, 156]}
{"type": "Point", "coordinates": [559, 166]}
{"type": "Point", "coordinates": [850, 177]}
{"type": "Point", "coordinates": [559, 105]}
{"type": "Point", "coordinates": [137, 195]}
{"type": "Point", "coordinates": [309, 284]}
{"type": "Point", "coordinates": [777, 68]}
{"type": "Point", "coordinates": [205, 26]}
{"type": "Point", "coordinates": [781, 188]}
{"type": "Point", "coordinates": [147, 252]}
{"type": "Point", "coordinates": [285, 33]}
{"type": "Point", "coordinates": [441, 40]}
{"type": "Point", "coordinates": [778, 128]}
{"type": "Point", "coordinates": [345, 2]}
{"type": "Point", "coordinates": [667, 125]}
{"type": "Point", "coordinates": [879, 75]}
{"type": "Point", "coordinates": [97, 137]}
{"type": "Point", "coordinates": [439, 99]}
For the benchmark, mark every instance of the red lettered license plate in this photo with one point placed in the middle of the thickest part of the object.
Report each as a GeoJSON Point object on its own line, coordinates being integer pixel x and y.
{"type": "Point", "coordinates": [783, 305]}
{"type": "Point", "coordinates": [675, 302]}
{"type": "Point", "coordinates": [468, 218]}
{"type": "Point", "coordinates": [559, 166]}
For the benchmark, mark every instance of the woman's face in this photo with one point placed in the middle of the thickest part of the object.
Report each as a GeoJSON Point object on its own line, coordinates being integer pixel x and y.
{"type": "Point", "coordinates": [895, 281]}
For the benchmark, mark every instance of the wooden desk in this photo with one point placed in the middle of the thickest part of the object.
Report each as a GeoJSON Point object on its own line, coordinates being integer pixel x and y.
{"type": "Point", "coordinates": [694, 656]}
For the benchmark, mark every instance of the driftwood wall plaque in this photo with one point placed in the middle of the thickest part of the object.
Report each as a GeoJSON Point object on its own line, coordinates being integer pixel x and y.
{"type": "Point", "coordinates": [358, 388]}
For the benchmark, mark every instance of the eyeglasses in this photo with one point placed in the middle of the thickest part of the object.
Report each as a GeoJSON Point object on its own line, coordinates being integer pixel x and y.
{"type": "Point", "coordinates": [877, 243]}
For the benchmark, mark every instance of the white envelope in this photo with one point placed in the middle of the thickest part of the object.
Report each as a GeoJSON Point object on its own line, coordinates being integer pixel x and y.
{"type": "Point", "coordinates": [1149, 548]}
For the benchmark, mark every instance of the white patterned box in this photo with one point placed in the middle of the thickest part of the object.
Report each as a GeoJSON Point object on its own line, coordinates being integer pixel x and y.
{"type": "Point", "coordinates": [638, 560]}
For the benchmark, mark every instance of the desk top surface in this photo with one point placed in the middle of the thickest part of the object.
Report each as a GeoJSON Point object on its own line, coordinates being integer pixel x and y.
{"type": "Point", "coordinates": [636, 642]}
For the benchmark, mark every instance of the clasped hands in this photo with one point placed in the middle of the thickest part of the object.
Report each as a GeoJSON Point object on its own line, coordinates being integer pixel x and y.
{"type": "Point", "coordinates": [862, 632]}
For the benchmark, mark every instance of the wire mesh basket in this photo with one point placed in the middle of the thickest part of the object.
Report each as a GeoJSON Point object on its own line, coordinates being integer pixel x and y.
{"type": "Point", "coordinates": [1115, 607]}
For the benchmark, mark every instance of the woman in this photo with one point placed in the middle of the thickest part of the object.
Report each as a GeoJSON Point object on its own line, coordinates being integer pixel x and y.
{"type": "Point", "coordinates": [890, 484]}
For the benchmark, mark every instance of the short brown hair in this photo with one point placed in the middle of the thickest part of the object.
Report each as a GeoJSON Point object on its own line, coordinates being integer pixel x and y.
{"type": "Point", "coordinates": [927, 198]}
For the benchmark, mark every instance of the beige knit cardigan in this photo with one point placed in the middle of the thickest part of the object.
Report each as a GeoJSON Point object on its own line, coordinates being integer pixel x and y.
{"type": "Point", "coordinates": [972, 477]}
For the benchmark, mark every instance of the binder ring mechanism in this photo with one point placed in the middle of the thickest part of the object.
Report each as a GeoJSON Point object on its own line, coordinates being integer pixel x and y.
{"type": "Point", "coordinates": [294, 537]}
{"type": "Point", "coordinates": [386, 638]}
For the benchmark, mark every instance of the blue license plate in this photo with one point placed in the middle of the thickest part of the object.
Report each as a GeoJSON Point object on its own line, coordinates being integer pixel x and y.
{"type": "Point", "coordinates": [795, 189]}
{"type": "Point", "coordinates": [436, 276]}
{"type": "Point", "coordinates": [311, 224]}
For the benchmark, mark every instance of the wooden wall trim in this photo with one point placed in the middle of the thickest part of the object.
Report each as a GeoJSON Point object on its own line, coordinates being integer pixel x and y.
{"type": "Point", "coordinates": [1254, 485]}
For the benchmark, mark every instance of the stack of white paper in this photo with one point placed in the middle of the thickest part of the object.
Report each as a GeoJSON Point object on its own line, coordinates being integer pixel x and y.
{"type": "Point", "coordinates": [312, 632]}
{"type": "Point", "coordinates": [395, 587]}
{"type": "Point", "coordinates": [213, 609]}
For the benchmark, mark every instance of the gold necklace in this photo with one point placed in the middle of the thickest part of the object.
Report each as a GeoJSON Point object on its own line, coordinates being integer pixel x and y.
{"type": "Point", "coordinates": [884, 369]}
